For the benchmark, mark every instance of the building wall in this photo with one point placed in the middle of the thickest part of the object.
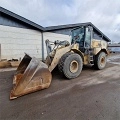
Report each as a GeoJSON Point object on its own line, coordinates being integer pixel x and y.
{"type": "Point", "coordinates": [17, 41]}
{"type": "Point", "coordinates": [63, 31]}
{"type": "Point", "coordinates": [67, 31]}
{"type": "Point", "coordinates": [7, 20]}
{"type": "Point", "coordinates": [52, 37]}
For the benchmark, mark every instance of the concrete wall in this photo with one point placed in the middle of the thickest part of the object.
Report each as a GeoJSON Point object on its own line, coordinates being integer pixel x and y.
{"type": "Point", "coordinates": [15, 41]}
{"type": "Point", "coordinates": [7, 20]}
{"type": "Point", "coordinates": [52, 37]}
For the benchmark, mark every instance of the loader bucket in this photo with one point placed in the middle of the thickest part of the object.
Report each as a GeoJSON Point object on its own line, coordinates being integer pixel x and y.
{"type": "Point", "coordinates": [31, 75]}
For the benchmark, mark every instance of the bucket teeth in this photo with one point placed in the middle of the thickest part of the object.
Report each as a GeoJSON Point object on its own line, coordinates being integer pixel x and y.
{"type": "Point", "coordinates": [30, 76]}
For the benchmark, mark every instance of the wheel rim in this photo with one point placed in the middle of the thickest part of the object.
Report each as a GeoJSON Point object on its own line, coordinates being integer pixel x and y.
{"type": "Point", "coordinates": [74, 66]}
{"type": "Point", "coordinates": [102, 61]}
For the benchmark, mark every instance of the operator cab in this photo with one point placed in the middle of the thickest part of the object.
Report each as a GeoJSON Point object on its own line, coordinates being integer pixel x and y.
{"type": "Point", "coordinates": [82, 36]}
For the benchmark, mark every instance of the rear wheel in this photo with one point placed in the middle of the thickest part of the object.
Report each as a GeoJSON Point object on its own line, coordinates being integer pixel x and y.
{"type": "Point", "coordinates": [100, 60]}
{"type": "Point", "coordinates": [70, 65]}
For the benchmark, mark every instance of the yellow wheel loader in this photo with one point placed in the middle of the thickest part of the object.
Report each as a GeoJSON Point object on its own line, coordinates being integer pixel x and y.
{"type": "Point", "coordinates": [33, 75]}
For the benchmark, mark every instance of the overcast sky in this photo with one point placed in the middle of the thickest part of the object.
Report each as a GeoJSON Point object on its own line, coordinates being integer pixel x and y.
{"type": "Point", "coordinates": [104, 14]}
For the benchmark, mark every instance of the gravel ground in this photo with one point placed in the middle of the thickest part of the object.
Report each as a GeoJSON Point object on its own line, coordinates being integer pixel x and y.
{"type": "Point", "coordinates": [94, 95]}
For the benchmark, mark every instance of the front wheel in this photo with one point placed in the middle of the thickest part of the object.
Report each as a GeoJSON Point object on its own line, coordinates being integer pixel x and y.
{"type": "Point", "coordinates": [100, 60]}
{"type": "Point", "coordinates": [71, 65]}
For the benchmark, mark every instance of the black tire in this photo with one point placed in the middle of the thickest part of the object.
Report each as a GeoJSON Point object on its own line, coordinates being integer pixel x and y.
{"type": "Point", "coordinates": [70, 65]}
{"type": "Point", "coordinates": [61, 62]}
{"type": "Point", "coordinates": [100, 61]}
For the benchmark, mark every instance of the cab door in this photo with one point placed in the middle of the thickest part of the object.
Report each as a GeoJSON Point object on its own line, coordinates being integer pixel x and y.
{"type": "Point", "coordinates": [88, 37]}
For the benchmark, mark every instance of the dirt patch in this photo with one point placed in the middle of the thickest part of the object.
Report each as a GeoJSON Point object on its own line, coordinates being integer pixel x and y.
{"type": "Point", "coordinates": [115, 60]}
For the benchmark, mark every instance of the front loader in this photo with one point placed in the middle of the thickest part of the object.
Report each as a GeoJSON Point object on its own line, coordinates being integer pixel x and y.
{"type": "Point", "coordinates": [33, 75]}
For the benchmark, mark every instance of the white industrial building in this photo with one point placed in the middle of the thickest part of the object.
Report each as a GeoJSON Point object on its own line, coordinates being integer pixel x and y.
{"type": "Point", "coordinates": [17, 41]}
{"type": "Point", "coordinates": [114, 48]}
{"type": "Point", "coordinates": [19, 35]}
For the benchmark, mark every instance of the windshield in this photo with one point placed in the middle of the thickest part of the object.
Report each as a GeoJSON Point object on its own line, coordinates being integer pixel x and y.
{"type": "Point", "coordinates": [78, 35]}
